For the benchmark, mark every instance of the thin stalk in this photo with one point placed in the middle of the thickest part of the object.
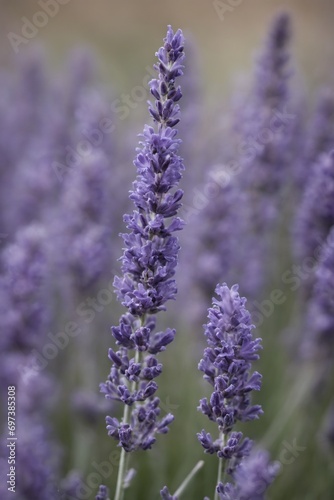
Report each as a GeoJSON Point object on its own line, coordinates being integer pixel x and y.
{"type": "Point", "coordinates": [221, 470]}
{"type": "Point", "coordinates": [121, 468]}
{"type": "Point", "coordinates": [187, 480]}
{"type": "Point", "coordinates": [123, 462]}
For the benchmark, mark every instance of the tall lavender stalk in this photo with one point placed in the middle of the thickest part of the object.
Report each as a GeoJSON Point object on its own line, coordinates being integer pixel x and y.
{"type": "Point", "coordinates": [148, 265]}
{"type": "Point", "coordinates": [226, 365]}
{"type": "Point", "coordinates": [267, 149]}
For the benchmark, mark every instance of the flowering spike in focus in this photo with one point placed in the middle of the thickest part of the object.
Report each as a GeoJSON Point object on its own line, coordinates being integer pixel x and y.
{"type": "Point", "coordinates": [149, 261]}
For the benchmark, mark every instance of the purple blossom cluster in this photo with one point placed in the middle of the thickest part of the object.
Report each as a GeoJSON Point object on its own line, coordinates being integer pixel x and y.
{"type": "Point", "coordinates": [148, 262]}
{"type": "Point", "coordinates": [226, 365]}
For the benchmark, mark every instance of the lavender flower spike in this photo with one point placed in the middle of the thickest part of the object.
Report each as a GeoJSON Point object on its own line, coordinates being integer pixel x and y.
{"type": "Point", "coordinates": [150, 256]}
{"type": "Point", "coordinates": [226, 365]}
{"type": "Point", "coordinates": [148, 264]}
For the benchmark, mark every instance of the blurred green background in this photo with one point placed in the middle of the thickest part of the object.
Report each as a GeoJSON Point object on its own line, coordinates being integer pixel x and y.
{"type": "Point", "coordinates": [122, 33]}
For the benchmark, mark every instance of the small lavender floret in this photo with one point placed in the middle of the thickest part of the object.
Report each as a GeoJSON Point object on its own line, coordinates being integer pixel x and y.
{"type": "Point", "coordinates": [165, 495]}
{"type": "Point", "coordinates": [103, 493]}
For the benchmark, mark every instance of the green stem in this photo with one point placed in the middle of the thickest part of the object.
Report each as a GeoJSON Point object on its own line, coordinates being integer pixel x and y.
{"type": "Point", "coordinates": [121, 468]}
{"type": "Point", "coordinates": [221, 470]}
{"type": "Point", "coordinates": [123, 462]}
{"type": "Point", "coordinates": [187, 480]}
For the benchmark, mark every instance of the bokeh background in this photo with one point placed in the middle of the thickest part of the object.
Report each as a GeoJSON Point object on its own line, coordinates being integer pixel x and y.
{"type": "Point", "coordinates": [123, 37]}
{"type": "Point", "coordinates": [122, 34]}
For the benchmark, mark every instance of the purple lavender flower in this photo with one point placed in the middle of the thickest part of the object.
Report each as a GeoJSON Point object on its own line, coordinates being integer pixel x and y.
{"type": "Point", "coordinates": [103, 493]}
{"type": "Point", "coordinates": [23, 290]}
{"type": "Point", "coordinates": [267, 134]}
{"type": "Point", "coordinates": [226, 365]}
{"type": "Point", "coordinates": [227, 361]}
{"type": "Point", "coordinates": [318, 342]}
{"type": "Point", "coordinates": [165, 495]}
{"type": "Point", "coordinates": [318, 139]}
{"type": "Point", "coordinates": [252, 478]}
{"type": "Point", "coordinates": [217, 254]}
{"type": "Point", "coordinates": [37, 454]}
{"type": "Point", "coordinates": [321, 133]}
{"type": "Point", "coordinates": [248, 188]}
{"type": "Point", "coordinates": [265, 117]}
{"type": "Point", "coordinates": [315, 216]}
{"type": "Point", "coordinates": [271, 71]}
{"type": "Point", "coordinates": [148, 263]}
{"type": "Point", "coordinates": [70, 486]}
{"type": "Point", "coordinates": [84, 222]}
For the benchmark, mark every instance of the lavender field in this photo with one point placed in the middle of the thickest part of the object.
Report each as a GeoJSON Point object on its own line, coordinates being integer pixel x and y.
{"type": "Point", "coordinates": [167, 250]}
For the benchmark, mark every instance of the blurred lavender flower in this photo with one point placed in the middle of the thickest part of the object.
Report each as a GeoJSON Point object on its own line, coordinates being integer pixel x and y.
{"type": "Point", "coordinates": [21, 108]}
{"type": "Point", "coordinates": [217, 255]}
{"type": "Point", "coordinates": [252, 478]}
{"type": "Point", "coordinates": [226, 365]}
{"type": "Point", "coordinates": [319, 136]}
{"type": "Point", "coordinates": [318, 342]}
{"type": "Point", "coordinates": [165, 495]}
{"type": "Point", "coordinates": [84, 223]}
{"type": "Point", "coordinates": [89, 406]}
{"type": "Point", "coordinates": [266, 120]}
{"type": "Point", "coordinates": [247, 191]}
{"type": "Point", "coordinates": [102, 493]}
{"type": "Point", "coordinates": [267, 133]}
{"type": "Point", "coordinates": [24, 291]}
{"type": "Point", "coordinates": [70, 486]}
{"type": "Point", "coordinates": [315, 216]}
{"type": "Point", "coordinates": [37, 455]}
